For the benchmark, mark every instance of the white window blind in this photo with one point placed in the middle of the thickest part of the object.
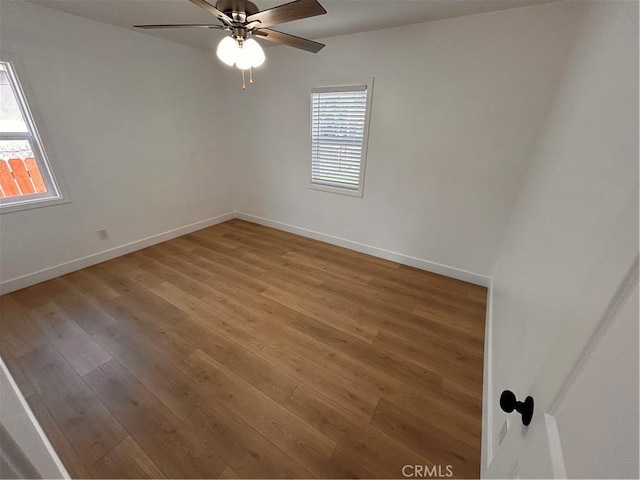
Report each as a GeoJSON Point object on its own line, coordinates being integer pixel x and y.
{"type": "Point", "coordinates": [338, 136]}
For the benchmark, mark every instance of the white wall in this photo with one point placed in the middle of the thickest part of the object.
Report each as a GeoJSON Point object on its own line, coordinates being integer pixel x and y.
{"type": "Point", "coordinates": [132, 123]}
{"type": "Point", "coordinates": [573, 235]}
{"type": "Point", "coordinates": [457, 106]}
{"type": "Point", "coordinates": [605, 445]}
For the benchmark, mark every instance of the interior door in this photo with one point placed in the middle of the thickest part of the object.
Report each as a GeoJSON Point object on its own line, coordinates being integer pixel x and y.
{"type": "Point", "coordinates": [536, 451]}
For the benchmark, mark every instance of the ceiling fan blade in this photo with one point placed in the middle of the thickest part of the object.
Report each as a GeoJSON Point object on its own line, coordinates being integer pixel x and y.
{"type": "Point", "coordinates": [211, 9]}
{"type": "Point", "coordinates": [287, 13]}
{"type": "Point", "coordinates": [181, 25]}
{"type": "Point", "coordinates": [290, 40]}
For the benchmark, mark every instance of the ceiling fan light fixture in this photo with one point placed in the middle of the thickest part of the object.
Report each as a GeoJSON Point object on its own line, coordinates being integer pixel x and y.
{"type": "Point", "coordinates": [227, 50]}
{"type": "Point", "coordinates": [254, 52]}
{"type": "Point", "coordinates": [243, 58]}
{"type": "Point", "coordinates": [244, 54]}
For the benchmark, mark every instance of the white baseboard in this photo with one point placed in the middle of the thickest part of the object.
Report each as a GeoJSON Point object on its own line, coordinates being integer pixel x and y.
{"type": "Point", "coordinates": [24, 281]}
{"type": "Point", "coordinates": [422, 264]}
{"type": "Point", "coordinates": [487, 389]}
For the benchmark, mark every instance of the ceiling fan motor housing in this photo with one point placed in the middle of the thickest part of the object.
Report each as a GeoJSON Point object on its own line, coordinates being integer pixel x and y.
{"type": "Point", "coordinates": [238, 11]}
{"type": "Point", "coordinates": [233, 7]}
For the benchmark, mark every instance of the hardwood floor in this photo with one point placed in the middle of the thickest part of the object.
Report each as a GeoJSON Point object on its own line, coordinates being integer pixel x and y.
{"type": "Point", "coordinates": [241, 351]}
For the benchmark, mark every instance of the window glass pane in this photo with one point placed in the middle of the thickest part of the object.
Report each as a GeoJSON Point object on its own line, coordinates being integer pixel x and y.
{"type": "Point", "coordinates": [19, 171]}
{"type": "Point", "coordinates": [10, 116]}
{"type": "Point", "coordinates": [25, 175]}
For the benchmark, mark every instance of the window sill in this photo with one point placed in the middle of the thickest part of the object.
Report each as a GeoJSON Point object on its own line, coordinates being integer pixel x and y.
{"type": "Point", "coordinates": [31, 204]}
{"type": "Point", "coordinates": [340, 190]}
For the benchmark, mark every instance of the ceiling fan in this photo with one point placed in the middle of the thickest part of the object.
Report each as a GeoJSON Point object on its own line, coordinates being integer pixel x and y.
{"type": "Point", "coordinates": [243, 19]}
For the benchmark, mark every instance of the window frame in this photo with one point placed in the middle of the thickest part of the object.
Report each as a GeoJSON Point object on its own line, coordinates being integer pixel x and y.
{"type": "Point", "coordinates": [56, 193]}
{"type": "Point", "coordinates": [343, 86]}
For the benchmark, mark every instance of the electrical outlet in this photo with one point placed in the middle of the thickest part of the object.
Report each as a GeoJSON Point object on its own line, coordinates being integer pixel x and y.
{"type": "Point", "coordinates": [103, 234]}
{"type": "Point", "coordinates": [503, 431]}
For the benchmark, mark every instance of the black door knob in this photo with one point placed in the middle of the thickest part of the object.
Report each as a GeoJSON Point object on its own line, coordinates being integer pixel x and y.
{"type": "Point", "coordinates": [508, 403]}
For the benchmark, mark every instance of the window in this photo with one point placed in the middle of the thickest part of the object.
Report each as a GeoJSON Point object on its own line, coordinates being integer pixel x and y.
{"type": "Point", "coordinates": [339, 130]}
{"type": "Point", "coordinates": [25, 175]}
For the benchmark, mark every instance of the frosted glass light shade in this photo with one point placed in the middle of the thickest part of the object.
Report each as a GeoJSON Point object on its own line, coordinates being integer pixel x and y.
{"type": "Point", "coordinates": [249, 55]}
{"type": "Point", "coordinates": [228, 50]}
{"type": "Point", "coordinates": [243, 58]}
{"type": "Point", "coordinates": [254, 52]}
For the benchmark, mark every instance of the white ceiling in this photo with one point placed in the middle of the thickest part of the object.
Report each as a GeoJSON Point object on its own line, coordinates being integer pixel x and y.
{"type": "Point", "coordinates": [343, 16]}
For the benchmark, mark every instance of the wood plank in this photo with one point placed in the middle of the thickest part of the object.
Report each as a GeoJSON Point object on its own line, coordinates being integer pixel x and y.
{"type": "Point", "coordinates": [354, 397]}
{"type": "Point", "coordinates": [441, 413]}
{"type": "Point", "coordinates": [19, 334]}
{"type": "Point", "coordinates": [359, 373]}
{"type": "Point", "coordinates": [256, 309]}
{"type": "Point", "coordinates": [263, 375]}
{"type": "Point", "coordinates": [219, 265]}
{"type": "Point", "coordinates": [339, 271]}
{"type": "Point", "coordinates": [459, 365]}
{"type": "Point", "coordinates": [314, 293]}
{"type": "Point", "coordinates": [22, 176]}
{"type": "Point", "coordinates": [192, 306]}
{"type": "Point", "coordinates": [139, 297]}
{"type": "Point", "coordinates": [296, 438]}
{"type": "Point", "coordinates": [244, 449]}
{"type": "Point", "coordinates": [426, 439]}
{"type": "Point", "coordinates": [86, 313]}
{"type": "Point", "coordinates": [223, 256]}
{"type": "Point", "coordinates": [84, 420]}
{"type": "Point", "coordinates": [127, 460]}
{"type": "Point", "coordinates": [8, 183]}
{"type": "Point", "coordinates": [75, 345]}
{"type": "Point", "coordinates": [168, 441]}
{"type": "Point", "coordinates": [35, 174]}
{"type": "Point", "coordinates": [89, 285]}
{"type": "Point", "coordinates": [154, 330]}
{"type": "Point", "coordinates": [175, 271]}
{"type": "Point", "coordinates": [322, 313]}
{"type": "Point", "coordinates": [358, 443]}
{"type": "Point", "coordinates": [158, 374]}
{"type": "Point", "coordinates": [439, 301]}
{"type": "Point", "coordinates": [285, 360]}
{"type": "Point", "coordinates": [273, 350]}
{"type": "Point", "coordinates": [385, 385]}
{"type": "Point", "coordinates": [212, 238]}
{"type": "Point", "coordinates": [365, 352]}
{"type": "Point", "coordinates": [181, 243]}
{"type": "Point", "coordinates": [162, 272]}
{"type": "Point", "coordinates": [382, 310]}
{"type": "Point", "coordinates": [33, 296]}
{"type": "Point", "coordinates": [464, 323]}
{"type": "Point", "coordinates": [111, 269]}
